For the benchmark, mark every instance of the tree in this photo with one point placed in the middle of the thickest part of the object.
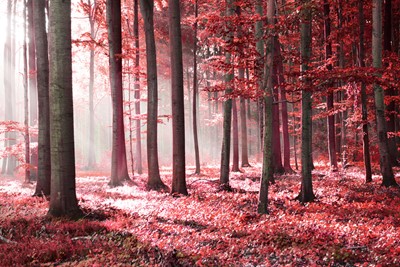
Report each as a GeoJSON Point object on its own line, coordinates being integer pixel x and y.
{"type": "Point", "coordinates": [242, 105]}
{"type": "Point", "coordinates": [63, 201]}
{"type": "Point", "coordinates": [364, 111]}
{"type": "Point", "coordinates": [384, 156]}
{"type": "Point", "coordinates": [119, 167]}
{"type": "Point", "coordinates": [42, 65]}
{"type": "Point", "coordinates": [329, 97]}
{"type": "Point", "coordinates": [9, 162]}
{"type": "Point", "coordinates": [137, 88]}
{"type": "Point", "coordinates": [235, 137]}
{"type": "Point", "coordinates": [154, 181]}
{"type": "Point", "coordinates": [92, 14]}
{"type": "Point", "coordinates": [267, 169]}
{"type": "Point", "coordinates": [26, 100]}
{"type": "Point", "coordinates": [178, 112]}
{"type": "Point", "coordinates": [195, 93]}
{"type": "Point", "coordinates": [306, 191]}
{"type": "Point", "coordinates": [32, 84]}
{"type": "Point", "coordinates": [227, 111]}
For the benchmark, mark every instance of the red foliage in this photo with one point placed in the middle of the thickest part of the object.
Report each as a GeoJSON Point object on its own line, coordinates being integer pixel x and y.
{"type": "Point", "coordinates": [351, 223]}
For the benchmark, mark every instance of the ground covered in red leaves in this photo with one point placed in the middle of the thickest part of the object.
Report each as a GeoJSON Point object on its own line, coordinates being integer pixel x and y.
{"type": "Point", "coordinates": [350, 224]}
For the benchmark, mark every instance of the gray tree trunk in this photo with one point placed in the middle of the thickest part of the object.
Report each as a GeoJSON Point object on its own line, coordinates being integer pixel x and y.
{"type": "Point", "coordinates": [384, 156]}
{"type": "Point", "coordinates": [306, 191]}
{"type": "Point", "coordinates": [227, 111]}
{"type": "Point", "coordinates": [63, 201]}
{"type": "Point", "coordinates": [364, 111]}
{"type": "Point", "coordinates": [178, 111]}
{"type": "Point", "coordinates": [42, 65]}
{"type": "Point", "coordinates": [154, 181]}
{"type": "Point", "coordinates": [119, 167]}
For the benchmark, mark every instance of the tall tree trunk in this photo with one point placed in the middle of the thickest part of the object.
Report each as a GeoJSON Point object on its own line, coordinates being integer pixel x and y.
{"type": "Point", "coordinates": [385, 161]}
{"type": "Point", "coordinates": [284, 109]}
{"type": "Point", "coordinates": [329, 97]}
{"type": "Point", "coordinates": [91, 156]}
{"type": "Point", "coordinates": [259, 72]}
{"type": "Point", "coordinates": [243, 120]}
{"type": "Point", "coordinates": [9, 83]}
{"type": "Point", "coordinates": [227, 111]}
{"type": "Point", "coordinates": [119, 167]}
{"type": "Point", "coordinates": [235, 137]}
{"type": "Point", "coordinates": [341, 54]}
{"type": "Point", "coordinates": [195, 94]}
{"type": "Point", "coordinates": [364, 111]}
{"type": "Point", "coordinates": [32, 80]}
{"type": "Point", "coordinates": [306, 191]}
{"type": "Point", "coordinates": [42, 59]}
{"type": "Point", "coordinates": [63, 201]}
{"type": "Point", "coordinates": [276, 138]}
{"type": "Point", "coordinates": [267, 169]}
{"type": "Point", "coordinates": [178, 110]}
{"type": "Point", "coordinates": [154, 181]}
{"type": "Point", "coordinates": [26, 100]}
{"type": "Point", "coordinates": [243, 132]}
{"type": "Point", "coordinates": [139, 164]}
{"type": "Point", "coordinates": [391, 91]}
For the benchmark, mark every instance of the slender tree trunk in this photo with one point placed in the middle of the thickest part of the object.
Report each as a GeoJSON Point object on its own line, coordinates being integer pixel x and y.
{"type": "Point", "coordinates": [44, 158]}
{"type": "Point", "coordinates": [259, 72]}
{"type": "Point", "coordinates": [243, 133]}
{"type": "Point", "coordinates": [63, 201]}
{"type": "Point", "coordinates": [284, 110]}
{"type": "Point", "coordinates": [178, 111]}
{"type": "Point", "coordinates": [343, 127]}
{"type": "Point", "coordinates": [391, 91]}
{"type": "Point", "coordinates": [306, 191]}
{"type": "Point", "coordinates": [9, 83]}
{"type": "Point", "coordinates": [26, 101]}
{"type": "Point", "coordinates": [227, 120]}
{"type": "Point", "coordinates": [276, 143]}
{"type": "Point", "coordinates": [32, 80]}
{"type": "Point", "coordinates": [385, 162]}
{"type": "Point", "coordinates": [235, 137]}
{"type": "Point", "coordinates": [92, 156]}
{"type": "Point", "coordinates": [267, 169]}
{"type": "Point", "coordinates": [364, 112]}
{"type": "Point", "coordinates": [139, 164]}
{"type": "Point", "coordinates": [329, 97]}
{"type": "Point", "coordinates": [154, 181]}
{"type": "Point", "coordinates": [119, 167]}
{"type": "Point", "coordinates": [195, 95]}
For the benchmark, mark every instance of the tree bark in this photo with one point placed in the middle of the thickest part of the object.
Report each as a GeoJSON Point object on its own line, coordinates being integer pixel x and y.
{"type": "Point", "coordinates": [306, 191]}
{"type": "Point", "coordinates": [154, 181]}
{"type": "Point", "coordinates": [267, 169]}
{"type": "Point", "coordinates": [235, 136]}
{"type": "Point", "coordinates": [177, 95]}
{"type": "Point", "coordinates": [32, 82]}
{"type": "Point", "coordinates": [91, 156]}
{"type": "Point", "coordinates": [391, 92]}
{"type": "Point", "coordinates": [119, 167]}
{"type": "Point", "coordinates": [195, 95]}
{"type": "Point", "coordinates": [227, 111]}
{"type": "Point", "coordinates": [329, 97]}
{"type": "Point", "coordinates": [63, 201]}
{"type": "Point", "coordinates": [139, 164]}
{"type": "Point", "coordinates": [364, 111]}
{"type": "Point", "coordinates": [384, 156]}
{"type": "Point", "coordinates": [42, 61]}
{"type": "Point", "coordinates": [26, 100]}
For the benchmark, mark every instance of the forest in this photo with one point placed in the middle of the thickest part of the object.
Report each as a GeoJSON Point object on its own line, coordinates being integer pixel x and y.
{"type": "Point", "coordinates": [200, 133]}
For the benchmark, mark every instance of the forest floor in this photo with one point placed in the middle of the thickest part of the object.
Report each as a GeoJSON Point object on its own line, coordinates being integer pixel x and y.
{"type": "Point", "coordinates": [350, 224]}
